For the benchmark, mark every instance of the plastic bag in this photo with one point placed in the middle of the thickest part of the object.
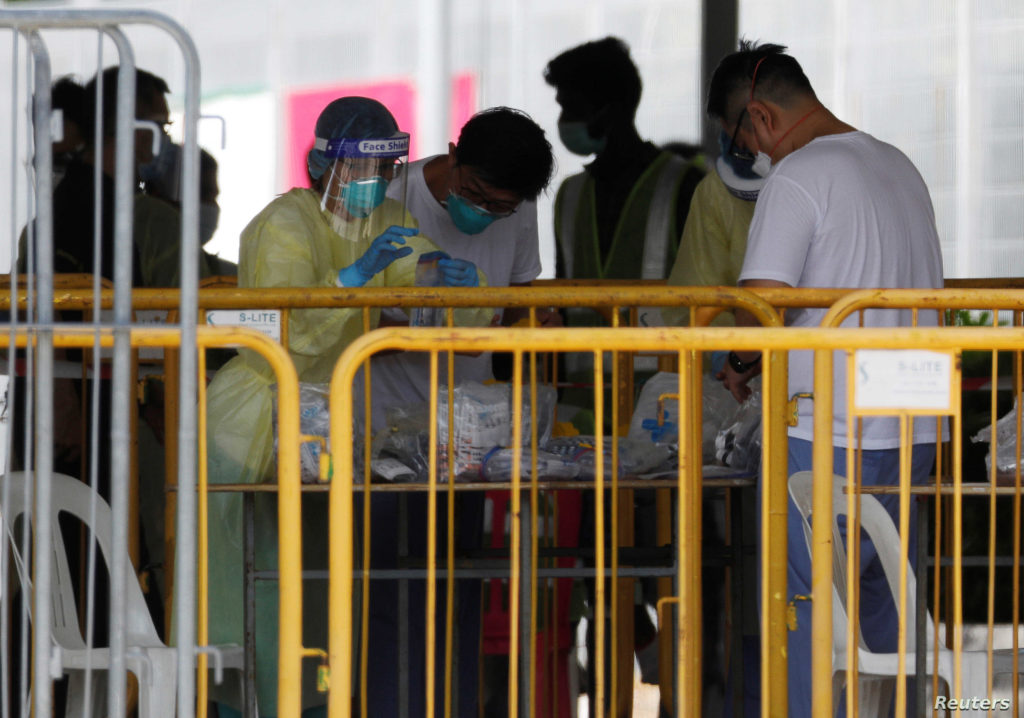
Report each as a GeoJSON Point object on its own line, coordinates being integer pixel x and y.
{"type": "Point", "coordinates": [1008, 454]}
{"type": "Point", "coordinates": [497, 465]}
{"type": "Point", "coordinates": [718, 406]}
{"type": "Point", "coordinates": [314, 420]}
{"type": "Point", "coordinates": [644, 423]}
{"type": "Point", "coordinates": [636, 456]}
{"type": "Point", "coordinates": [738, 443]}
{"type": "Point", "coordinates": [482, 419]}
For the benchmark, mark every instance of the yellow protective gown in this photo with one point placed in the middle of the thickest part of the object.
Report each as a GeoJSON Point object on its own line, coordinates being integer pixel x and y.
{"type": "Point", "coordinates": [291, 243]}
{"type": "Point", "coordinates": [712, 247]}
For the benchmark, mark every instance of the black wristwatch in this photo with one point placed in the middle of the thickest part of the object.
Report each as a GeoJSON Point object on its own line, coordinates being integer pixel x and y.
{"type": "Point", "coordinates": [741, 367]}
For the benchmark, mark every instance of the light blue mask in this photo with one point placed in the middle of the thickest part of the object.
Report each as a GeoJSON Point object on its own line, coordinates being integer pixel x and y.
{"type": "Point", "coordinates": [577, 139]}
{"type": "Point", "coordinates": [468, 217]}
{"type": "Point", "coordinates": [162, 175]}
{"type": "Point", "coordinates": [362, 196]}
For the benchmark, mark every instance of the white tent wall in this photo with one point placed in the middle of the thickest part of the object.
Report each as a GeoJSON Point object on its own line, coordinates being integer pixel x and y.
{"type": "Point", "coordinates": [254, 53]}
{"type": "Point", "coordinates": [943, 80]}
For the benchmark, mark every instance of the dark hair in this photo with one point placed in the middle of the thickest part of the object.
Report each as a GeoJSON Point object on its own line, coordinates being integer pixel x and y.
{"type": "Point", "coordinates": [779, 78]}
{"type": "Point", "coordinates": [600, 70]}
{"type": "Point", "coordinates": [69, 97]}
{"type": "Point", "coordinates": [208, 189]}
{"type": "Point", "coordinates": [148, 88]}
{"type": "Point", "coordinates": [686, 150]}
{"type": "Point", "coordinates": [507, 150]}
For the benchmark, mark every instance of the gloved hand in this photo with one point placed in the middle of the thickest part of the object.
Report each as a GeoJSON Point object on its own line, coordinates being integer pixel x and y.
{"type": "Point", "coordinates": [458, 273]}
{"type": "Point", "coordinates": [382, 252]}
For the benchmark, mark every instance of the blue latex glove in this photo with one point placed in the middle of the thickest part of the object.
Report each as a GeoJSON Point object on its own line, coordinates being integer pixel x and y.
{"type": "Point", "coordinates": [382, 252]}
{"type": "Point", "coordinates": [718, 360]}
{"type": "Point", "coordinates": [458, 273]}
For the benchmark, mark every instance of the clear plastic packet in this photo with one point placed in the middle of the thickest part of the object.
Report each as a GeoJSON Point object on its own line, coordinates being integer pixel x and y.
{"type": "Point", "coordinates": [428, 274]}
{"type": "Point", "coordinates": [315, 420]}
{"type": "Point", "coordinates": [738, 443]}
{"type": "Point", "coordinates": [637, 457]}
{"type": "Point", "coordinates": [1008, 453]}
{"type": "Point", "coordinates": [497, 465]}
{"type": "Point", "coordinates": [482, 419]}
{"type": "Point", "coordinates": [718, 406]}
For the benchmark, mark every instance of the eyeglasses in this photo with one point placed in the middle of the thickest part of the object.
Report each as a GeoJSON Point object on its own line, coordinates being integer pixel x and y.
{"type": "Point", "coordinates": [498, 208]}
{"type": "Point", "coordinates": [734, 151]}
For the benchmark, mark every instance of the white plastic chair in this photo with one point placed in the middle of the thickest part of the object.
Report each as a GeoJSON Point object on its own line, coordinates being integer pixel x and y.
{"type": "Point", "coordinates": [877, 670]}
{"type": "Point", "coordinates": [152, 662]}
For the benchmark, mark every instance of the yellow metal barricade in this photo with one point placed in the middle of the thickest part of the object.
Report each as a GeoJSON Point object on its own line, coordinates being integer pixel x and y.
{"type": "Point", "coordinates": [147, 299]}
{"type": "Point", "coordinates": [288, 485]}
{"type": "Point", "coordinates": [983, 372]}
{"type": "Point", "coordinates": [944, 341]}
{"type": "Point", "coordinates": [687, 681]}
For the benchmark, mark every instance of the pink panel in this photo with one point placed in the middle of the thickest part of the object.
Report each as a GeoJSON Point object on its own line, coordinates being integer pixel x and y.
{"type": "Point", "coordinates": [463, 102]}
{"type": "Point", "coordinates": [304, 106]}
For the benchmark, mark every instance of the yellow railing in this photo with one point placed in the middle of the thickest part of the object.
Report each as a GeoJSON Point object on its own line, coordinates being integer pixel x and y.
{"type": "Point", "coordinates": [685, 345]}
{"type": "Point", "coordinates": [596, 341]}
{"type": "Point", "coordinates": [776, 342]}
{"type": "Point", "coordinates": [288, 485]}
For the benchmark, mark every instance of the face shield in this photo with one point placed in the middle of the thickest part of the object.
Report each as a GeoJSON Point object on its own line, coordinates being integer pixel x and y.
{"type": "Point", "coordinates": [363, 175]}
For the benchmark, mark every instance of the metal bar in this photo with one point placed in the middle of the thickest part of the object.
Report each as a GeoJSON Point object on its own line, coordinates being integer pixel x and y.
{"type": "Point", "coordinates": [278, 298]}
{"type": "Point", "coordinates": [1009, 296]}
{"type": "Point", "coordinates": [42, 616]}
{"type": "Point", "coordinates": [821, 530]}
{"type": "Point", "coordinates": [920, 619]}
{"type": "Point", "coordinates": [431, 607]}
{"type": "Point", "coordinates": [526, 611]}
{"type": "Point", "coordinates": [120, 432]}
{"type": "Point", "coordinates": [249, 604]}
{"type": "Point", "coordinates": [6, 611]}
{"type": "Point", "coordinates": [500, 569]}
{"type": "Point", "coordinates": [519, 583]}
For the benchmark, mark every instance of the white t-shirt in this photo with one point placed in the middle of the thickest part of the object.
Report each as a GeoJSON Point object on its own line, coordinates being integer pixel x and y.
{"type": "Point", "coordinates": [507, 252]}
{"type": "Point", "coordinates": [846, 210]}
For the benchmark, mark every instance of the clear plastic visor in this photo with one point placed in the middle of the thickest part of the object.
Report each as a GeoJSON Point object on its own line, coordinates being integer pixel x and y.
{"type": "Point", "coordinates": [366, 178]}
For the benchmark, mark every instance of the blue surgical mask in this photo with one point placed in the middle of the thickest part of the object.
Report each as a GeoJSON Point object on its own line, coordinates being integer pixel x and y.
{"type": "Point", "coordinates": [578, 140]}
{"type": "Point", "coordinates": [742, 168]}
{"type": "Point", "coordinates": [468, 217]}
{"type": "Point", "coordinates": [362, 196]}
{"type": "Point", "coordinates": [162, 175]}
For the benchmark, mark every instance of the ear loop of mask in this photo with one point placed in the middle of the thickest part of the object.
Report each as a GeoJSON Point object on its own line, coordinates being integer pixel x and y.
{"type": "Point", "coordinates": [753, 81]}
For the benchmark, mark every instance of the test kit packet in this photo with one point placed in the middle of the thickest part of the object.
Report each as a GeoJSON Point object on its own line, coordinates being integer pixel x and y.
{"type": "Point", "coordinates": [428, 274]}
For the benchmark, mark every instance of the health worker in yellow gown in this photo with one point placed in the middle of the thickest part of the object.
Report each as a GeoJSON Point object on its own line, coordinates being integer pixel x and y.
{"type": "Point", "coordinates": [343, 232]}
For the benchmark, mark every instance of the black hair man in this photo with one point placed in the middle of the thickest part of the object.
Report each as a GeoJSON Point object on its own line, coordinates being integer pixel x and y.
{"type": "Point", "coordinates": [73, 197]}
{"type": "Point", "coordinates": [620, 218]}
{"type": "Point", "coordinates": [839, 209]}
{"type": "Point", "coordinates": [476, 202]}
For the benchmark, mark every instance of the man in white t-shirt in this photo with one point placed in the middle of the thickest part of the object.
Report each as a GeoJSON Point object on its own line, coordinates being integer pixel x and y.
{"type": "Point", "coordinates": [839, 209]}
{"type": "Point", "coordinates": [477, 203]}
